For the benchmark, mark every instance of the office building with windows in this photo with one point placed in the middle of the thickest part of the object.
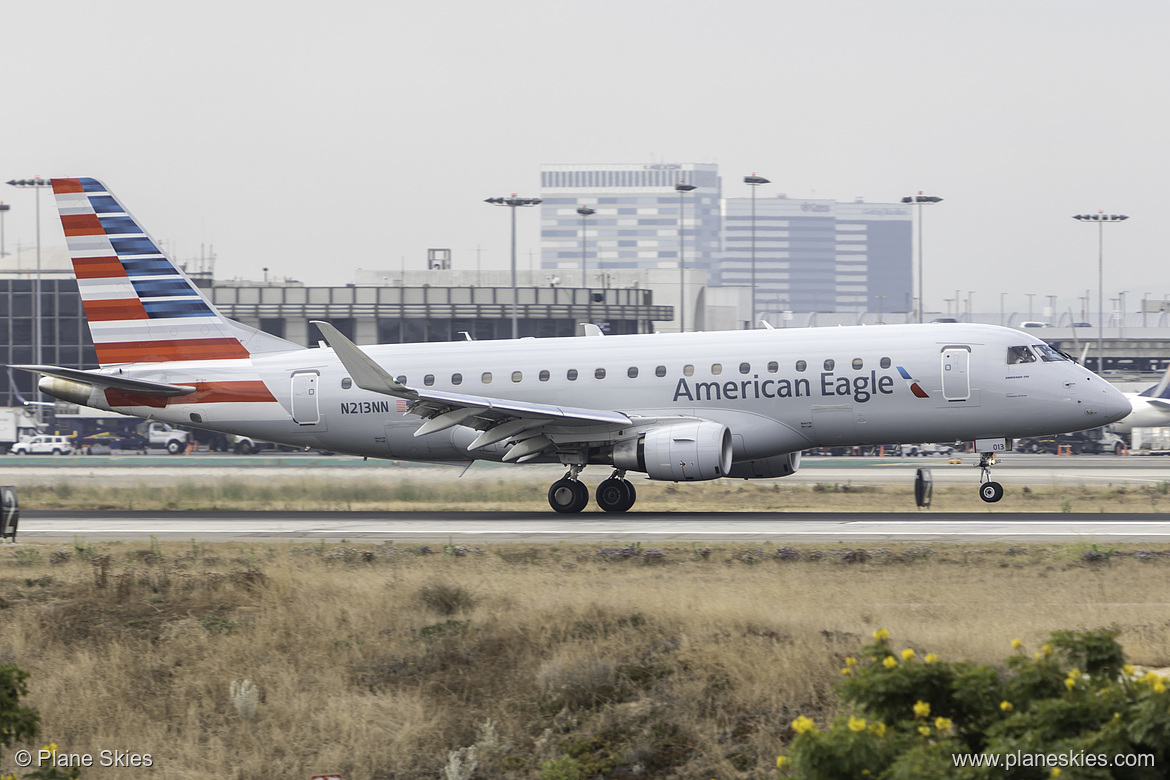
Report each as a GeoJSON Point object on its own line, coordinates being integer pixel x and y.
{"type": "Point", "coordinates": [640, 220]}
{"type": "Point", "coordinates": [819, 255]}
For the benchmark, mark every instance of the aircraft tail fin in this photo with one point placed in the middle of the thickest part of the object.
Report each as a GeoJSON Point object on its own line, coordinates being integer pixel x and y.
{"type": "Point", "coordinates": [1160, 390]}
{"type": "Point", "coordinates": [140, 306]}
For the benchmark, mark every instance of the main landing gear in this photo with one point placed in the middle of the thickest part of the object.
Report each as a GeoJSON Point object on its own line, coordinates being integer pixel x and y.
{"type": "Point", "coordinates": [989, 491]}
{"type": "Point", "coordinates": [568, 494]}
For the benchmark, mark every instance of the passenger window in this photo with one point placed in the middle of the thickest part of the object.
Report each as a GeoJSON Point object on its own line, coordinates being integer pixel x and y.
{"type": "Point", "coordinates": [1020, 355]}
{"type": "Point", "coordinates": [688, 370]}
{"type": "Point", "coordinates": [517, 376]}
{"type": "Point", "coordinates": [599, 373]}
{"type": "Point", "coordinates": [457, 379]}
{"type": "Point", "coordinates": [632, 372]}
{"type": "Point", "coordinates": [544, 376]}
{"type": "Point", "coordinates": [660, 371]}
{"type": "Point", "coordinates": [801, 365]}
{"type": "Point", "coordinates": [858, 364]}
{"type": "Point", "coordinates": [429, 380]}
{"type": "Point", "coordinates": [885, 362]}
{"type": "Point", "coordinates": [571, 375]}
{"type": "Point", "coordinates": [745, 368]}
{"type": "Point", "coordinates": [486, 378]}
{"type": "Point", "coordinates": [716, 369]}
{"type": "Point", "coordinates": [773, 366]}
{"type": "Point", "coordinates": [346, 383]}
{"type": "Point", "coordinates": [829, 364]}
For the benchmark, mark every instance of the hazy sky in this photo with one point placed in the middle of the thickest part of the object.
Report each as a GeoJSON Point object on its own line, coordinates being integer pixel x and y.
{"type": "Point", "coordinates": [316, 138]}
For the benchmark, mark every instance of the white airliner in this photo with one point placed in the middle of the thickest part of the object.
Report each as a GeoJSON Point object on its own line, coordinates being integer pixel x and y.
{"type": "Point", "coordinates": [678, 407]}
{"type": "Point", "coordinates": [1151, 408]}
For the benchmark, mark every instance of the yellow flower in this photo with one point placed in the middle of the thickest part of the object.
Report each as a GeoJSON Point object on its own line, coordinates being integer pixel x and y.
{"type": "Point", "coordinates": [846, 670]}
{"type": "Point", "coordinates": [781, 761]}
{"type": "Point", "coordinates": [921, 709]}
{"type": "Point", "coordinates": [1070, 683]}
{"type": "Point", "coordinates": [1128, 669]}
{"type": "Point", "coordinates": [879, 729]}
{"type": "Point", "coordinates": [924, 731]}
{"type": "Point", "coordinates": [881, 634]}
{"type": "Point", "coordinates": [1075, 674]}
{"type": "Point", "coordinates": [1017, 644]}
{"type": "Point", "coordinates": [856, 725]}
{"type": "Point", "coordinates": [1039, 656]}
{"type": "Point", "coordinates": [1046, 649]}
{"type": "Point", "coordinates": [942, 724]}
{"type": "Point", "coordinates": [890, 662]}
{"type": "Point", "coordinates": [851, 661]}
{"type": "Point", "coordinates": [931, 658]}
{"type": "Point", "coordinates": [1006, 706]}
{"type": "Point", "coordinates": [907, 654]}
{"type": "Point", "coordinates": [803, 725]}
{"type": "Point", "coordinates": [1055, 772]}
{"type": "Point", "coordinates": [1159, 687]}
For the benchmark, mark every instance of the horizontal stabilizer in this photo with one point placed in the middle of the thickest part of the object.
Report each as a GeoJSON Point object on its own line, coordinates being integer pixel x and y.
{"type": "Point", "coordinates": [99, 380]}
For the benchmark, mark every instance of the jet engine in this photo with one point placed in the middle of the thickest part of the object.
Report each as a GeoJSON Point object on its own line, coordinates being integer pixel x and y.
{"type": "Point", "coordinates": [682, 452]}
{"type": "Point", "coordinates": [763, 468]}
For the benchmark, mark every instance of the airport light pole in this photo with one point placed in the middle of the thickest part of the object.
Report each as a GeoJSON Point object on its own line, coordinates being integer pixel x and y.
{"type": "Point", "coordinates": [513, 203]}
{"type": "Point", "coordinates": [754, 181]}
{"type": "Point", "coordinates": [4, 207]}
{"type": "Point", "coordinates": [37, 184]}
{"type": "Point", "coordinates": [584, 211]}
{"type": "Point", "coordinates": [1100, 218]}
{"type": "Point", "coordinates": [682, 188]}
{"type": "Point", "coordinates": [920, 199]}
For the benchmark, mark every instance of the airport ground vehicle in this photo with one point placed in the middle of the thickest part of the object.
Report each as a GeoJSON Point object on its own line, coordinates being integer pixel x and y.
{"type": "Point", "coordinates": [16, 423]}
{"type": "Point", "coordinates": [1096, 441]}
{"type": "Point", "coordinates": [43, 445]}
{"type": "Point", "coordinates": [97, 434]}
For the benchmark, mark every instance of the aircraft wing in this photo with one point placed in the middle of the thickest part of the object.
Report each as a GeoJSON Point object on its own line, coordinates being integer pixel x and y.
{"type": "Point", "coordinates": [101, 381]}
{"type": "Point", "coordinates": [497, 418]}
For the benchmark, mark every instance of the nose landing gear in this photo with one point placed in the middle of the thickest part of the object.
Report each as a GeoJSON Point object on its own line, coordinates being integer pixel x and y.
{"type": "Point", "coordinates": [989, 491]}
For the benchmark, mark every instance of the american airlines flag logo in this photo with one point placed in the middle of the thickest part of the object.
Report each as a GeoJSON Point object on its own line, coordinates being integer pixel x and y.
{"type": "Point", "coordinates": [914, 386]}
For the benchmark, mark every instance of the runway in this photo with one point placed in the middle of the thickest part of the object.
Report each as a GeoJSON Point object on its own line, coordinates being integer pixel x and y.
{"type": "Point", "coordinates": [547, 527]}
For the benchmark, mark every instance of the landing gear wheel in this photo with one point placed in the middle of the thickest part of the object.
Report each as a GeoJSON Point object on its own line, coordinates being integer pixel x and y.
{"type": "Point", "coordinates": [991, 492]}
{"type": "Point", "coordinates": [568, 496]}
{"type": "Point", "coordinates": [616, 495]}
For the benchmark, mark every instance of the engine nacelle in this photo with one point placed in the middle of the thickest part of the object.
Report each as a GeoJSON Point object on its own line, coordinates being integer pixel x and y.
{"type": "Point", "coordinates": [66, 390]}
{"type": "Point", "coordinates": [763, 468]}
{"type": "Point", "coordinates": [685, 451]}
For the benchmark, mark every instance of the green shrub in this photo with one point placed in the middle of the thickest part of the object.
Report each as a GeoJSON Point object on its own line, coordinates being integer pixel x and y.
{"type": "Point", "coordinates": [1066, 709]}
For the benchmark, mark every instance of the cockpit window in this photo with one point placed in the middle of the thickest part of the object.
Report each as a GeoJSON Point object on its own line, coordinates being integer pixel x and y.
{"type": "Point", "coordinates": [1048, 354]}
{"type": "Point", "coordinates": [1020, 355]}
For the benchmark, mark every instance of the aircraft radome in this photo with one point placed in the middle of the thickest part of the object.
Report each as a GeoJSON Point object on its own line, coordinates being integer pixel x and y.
{"type": "Point", "coordinates": [679, 407]}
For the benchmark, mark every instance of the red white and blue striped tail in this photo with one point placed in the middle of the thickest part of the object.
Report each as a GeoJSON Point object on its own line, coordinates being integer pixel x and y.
{"type": "Point", "coordinates": [141, 307]}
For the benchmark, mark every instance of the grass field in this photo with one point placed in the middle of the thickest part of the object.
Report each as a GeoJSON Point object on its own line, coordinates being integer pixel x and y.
{"type": "Point", "coordinates": [417, 492]}
{"type": "Point", "coordinates": [392, 661]}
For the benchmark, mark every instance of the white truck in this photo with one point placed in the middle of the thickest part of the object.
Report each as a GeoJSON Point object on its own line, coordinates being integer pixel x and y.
{"type": "Point", "coordinates": [16, 423]}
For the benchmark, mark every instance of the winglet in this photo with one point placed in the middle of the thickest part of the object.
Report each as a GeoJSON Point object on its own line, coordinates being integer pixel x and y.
{"type": "Point", "coordinates": [365, 373]}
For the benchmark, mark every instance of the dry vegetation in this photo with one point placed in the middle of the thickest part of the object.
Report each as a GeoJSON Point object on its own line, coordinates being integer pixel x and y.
{"type": "Point", "coordinates": [423, 493]}
{"type": "Point", "coordinates": [385, 662]}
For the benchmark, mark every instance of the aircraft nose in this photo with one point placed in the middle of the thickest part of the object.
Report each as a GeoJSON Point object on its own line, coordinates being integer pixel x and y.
{"type": "Point", "coordinates": [1112, 405]}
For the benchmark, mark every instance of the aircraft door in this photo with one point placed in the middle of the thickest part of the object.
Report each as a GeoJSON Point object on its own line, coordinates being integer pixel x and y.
{"type": "Point", "coordinates": [305, 407]}
{"type": "Point", "coordinates": [956, 381]}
